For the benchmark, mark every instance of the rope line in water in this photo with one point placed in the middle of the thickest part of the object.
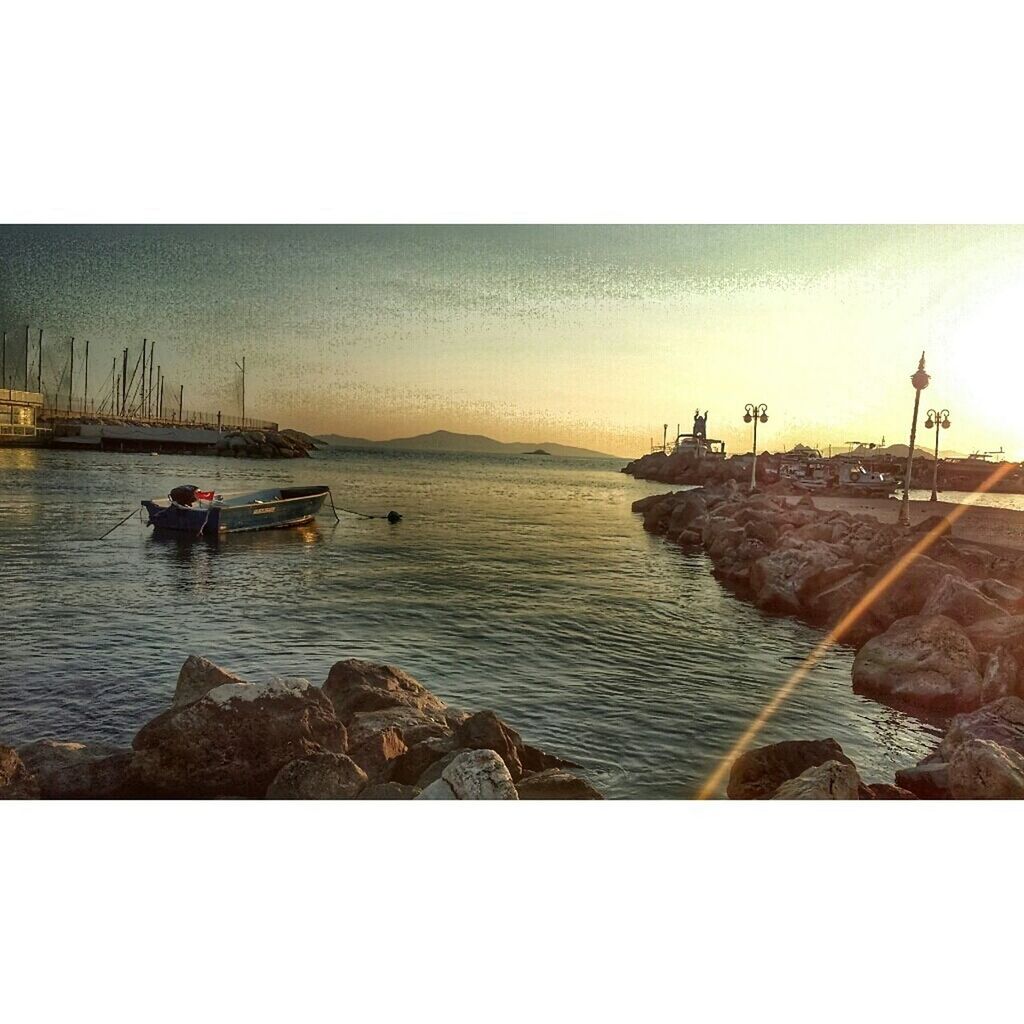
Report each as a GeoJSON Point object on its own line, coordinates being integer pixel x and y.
{"type": "Point", "coordinates": [391, 517]}
{"type": "Point", "coordinates": [116, 525]}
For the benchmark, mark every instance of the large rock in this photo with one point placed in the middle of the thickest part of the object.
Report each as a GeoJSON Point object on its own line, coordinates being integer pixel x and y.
{"type": "Point", "coordinates": [687, 508]}
{"type": "Point", "coordinates": [727, 544]}
{"type": "Point", "coordinates": [829, 605]}
{"type": "Point", "coordinates": [233, 741]}
{"type": "Point", "coordinates": [983, 770]}
{"type": "Point", "coordinates": [1007, 632]}
{"type": "Point", "coordinates": [819, 530]}
{"type": "Point", "coordinates": [198, 676]}
{"type": "Point", "coordinates": [323, 776]}
{"type": "Point", "coordinates": [975, 561]}
{"type": "Point", "coordinates": [354, 686]}
{"type": "Point", "coordinates": [758, 773]}
{"type": "Point", "coordinates": [1002, 722]}
{"type": "Point", "coordinates": [780, 580]}
{"type": "Point", "coordinates": [16, 781]}
{"type": "Point", "coordinates": [657, 516]}
{"type": "Point", "coordinates": [486, 731]}
{"type": "Point", "coordinates": [78, 771]}
{"type": "Point", "coordinates": [410, 724]}
{"type": "Point", "coordinates": [961, 601]}
{"type": "Point", "coordinates": [927, 781]}
{"type": "Point", "coordinates": [555, 784]}
{"type": "Point", "coordinates": [641, 505]}
{"type": "Point", "coordinates": [718, 527]}
{"type": "Point", "coordinates": [910, 590]}
{"type": "Point", "coordinates": [925, 661]}
{"type": "Point", "coordinates": [1002, 676]}
{"type": "Point", "coordinates": [473, 775]}
{"type": "Point", "coordinates": [377, 751]}
{"type": "Point", "coordinates": [832, 780]}
{"type": "Point", "coordinates": [1003, 593]}
{"type": "Point", "coordinates": [409, 768]}
{"type": "Point", "coordinates": [761, 529]}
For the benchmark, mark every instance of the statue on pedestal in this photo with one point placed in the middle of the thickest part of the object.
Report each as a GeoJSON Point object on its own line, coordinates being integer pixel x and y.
{"type": "Point", "coordinates": [700, 424]}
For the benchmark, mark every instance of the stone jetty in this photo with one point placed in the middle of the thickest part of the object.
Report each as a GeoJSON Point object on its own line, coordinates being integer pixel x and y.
{"type": "Point", "coordinates": [945, 636]}
{"type": "Point", "coordinates": [369, 732]}
{"type": "Point", "coordinates": [125, 434]}
{"type": "Point", "coordinates": [266, 444]}
{"type": "Point", "coordinates": [683, 468]}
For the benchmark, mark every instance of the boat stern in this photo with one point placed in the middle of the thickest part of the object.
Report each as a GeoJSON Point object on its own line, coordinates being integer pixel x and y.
{"type": "Point", "coordinates": [200, 520]}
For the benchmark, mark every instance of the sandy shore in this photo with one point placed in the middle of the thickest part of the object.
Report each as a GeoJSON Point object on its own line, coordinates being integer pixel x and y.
{"type": "Point", "coordinates": [995, 528]}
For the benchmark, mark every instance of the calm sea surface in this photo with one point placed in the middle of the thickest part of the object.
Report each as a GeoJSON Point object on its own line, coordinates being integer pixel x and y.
{"type": "Point", "coordinates": [519, 584]}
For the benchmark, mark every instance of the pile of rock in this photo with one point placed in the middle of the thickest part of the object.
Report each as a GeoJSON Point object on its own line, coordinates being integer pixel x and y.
{"type": "Point", "coordinates": [685, 468]}
{"type": "Point", "coordinates": [981, 757]}
{"type": "Point", "coordinates": [369, 732]}
{"type": "Point", "coordinates": [804, 770]}
{"type": "Point", "coordinates": [943, 634]}
{"type": "Point", "coordinates": [265, 444]}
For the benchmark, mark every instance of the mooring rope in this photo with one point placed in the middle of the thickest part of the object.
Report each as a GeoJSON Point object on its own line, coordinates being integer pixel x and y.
{"type": "Point", "coordinates": [116, 525]}
{"type": "Point", "coordinates": [391, 517]}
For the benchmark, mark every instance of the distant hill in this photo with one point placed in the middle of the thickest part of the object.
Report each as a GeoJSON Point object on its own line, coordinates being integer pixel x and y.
{"type": "Point", "coordinates": [446, 441]}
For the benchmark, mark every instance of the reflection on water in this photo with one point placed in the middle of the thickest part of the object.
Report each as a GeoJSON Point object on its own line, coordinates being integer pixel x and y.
{"type": "Point", "coordinates": [20, 458]}
{"type": "Point", "coordinates": [518, 584]}
{"type": "Point", "coordinates": [197, 556]}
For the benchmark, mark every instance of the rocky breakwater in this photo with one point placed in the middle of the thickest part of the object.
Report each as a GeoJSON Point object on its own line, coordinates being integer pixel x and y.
{"type": "Point", "coordinates": [944, 634]}
{"type": "Point", "coordinates": [369, 732]}
{"type": "Point", "coordinates": [266, 444]}
{"type": "Point", "coordinates": [685, 468]}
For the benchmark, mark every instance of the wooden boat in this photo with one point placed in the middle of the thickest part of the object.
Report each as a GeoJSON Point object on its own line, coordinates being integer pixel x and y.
{"type": "Point", "coordinates": [272, 508]}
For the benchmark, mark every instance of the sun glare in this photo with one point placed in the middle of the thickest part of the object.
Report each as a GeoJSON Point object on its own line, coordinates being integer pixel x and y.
{"type": "Point", "coordinates": [985, 357]}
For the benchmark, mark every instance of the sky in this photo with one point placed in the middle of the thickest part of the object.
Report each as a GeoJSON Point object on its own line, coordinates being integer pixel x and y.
{"type": "Point", "coordinates": [592, 335]}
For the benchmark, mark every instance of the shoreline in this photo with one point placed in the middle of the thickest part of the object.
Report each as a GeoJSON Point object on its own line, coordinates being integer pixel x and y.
{"type": "Point", "coordinates": [937, 618]}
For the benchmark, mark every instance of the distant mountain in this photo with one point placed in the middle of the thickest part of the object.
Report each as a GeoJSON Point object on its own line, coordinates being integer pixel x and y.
{"type": "Point", "coordinates": [340, 441]}
{"type": "Point", "coordinates": [446, 441]}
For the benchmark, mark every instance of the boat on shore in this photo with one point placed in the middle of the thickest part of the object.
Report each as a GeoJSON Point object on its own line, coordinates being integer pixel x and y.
{"type": "Point", "coordinates": [267, 509]}
{"type": "Point", "coordinates": [807, 470]}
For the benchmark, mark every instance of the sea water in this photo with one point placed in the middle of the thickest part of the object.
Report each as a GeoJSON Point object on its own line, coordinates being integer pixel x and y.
{"type": "Point", "coordinates": [520, 584]}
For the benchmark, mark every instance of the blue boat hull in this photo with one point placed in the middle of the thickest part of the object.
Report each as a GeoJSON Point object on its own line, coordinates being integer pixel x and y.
{"type": "Point", "coordinates": [268, 510]}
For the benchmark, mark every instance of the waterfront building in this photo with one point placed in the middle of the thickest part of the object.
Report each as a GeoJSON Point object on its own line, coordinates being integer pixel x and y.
{"type": "Point", "coordinates": [19, 418]}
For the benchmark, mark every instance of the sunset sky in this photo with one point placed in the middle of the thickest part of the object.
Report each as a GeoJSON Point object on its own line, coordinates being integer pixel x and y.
{"type": "Point", "coordinates": [592, 336]}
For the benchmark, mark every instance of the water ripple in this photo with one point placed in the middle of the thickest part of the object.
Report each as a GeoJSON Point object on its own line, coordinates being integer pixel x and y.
{"type": "Point", "coordinates": [522, 585]}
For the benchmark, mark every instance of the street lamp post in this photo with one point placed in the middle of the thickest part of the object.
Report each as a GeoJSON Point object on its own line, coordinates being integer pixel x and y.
{"type": "Point", "coordinates": [753, 413]}
{"type": "Point", "coordinates": [940, 421]}
{"type": "Point", "coordinates": [920, 381]}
